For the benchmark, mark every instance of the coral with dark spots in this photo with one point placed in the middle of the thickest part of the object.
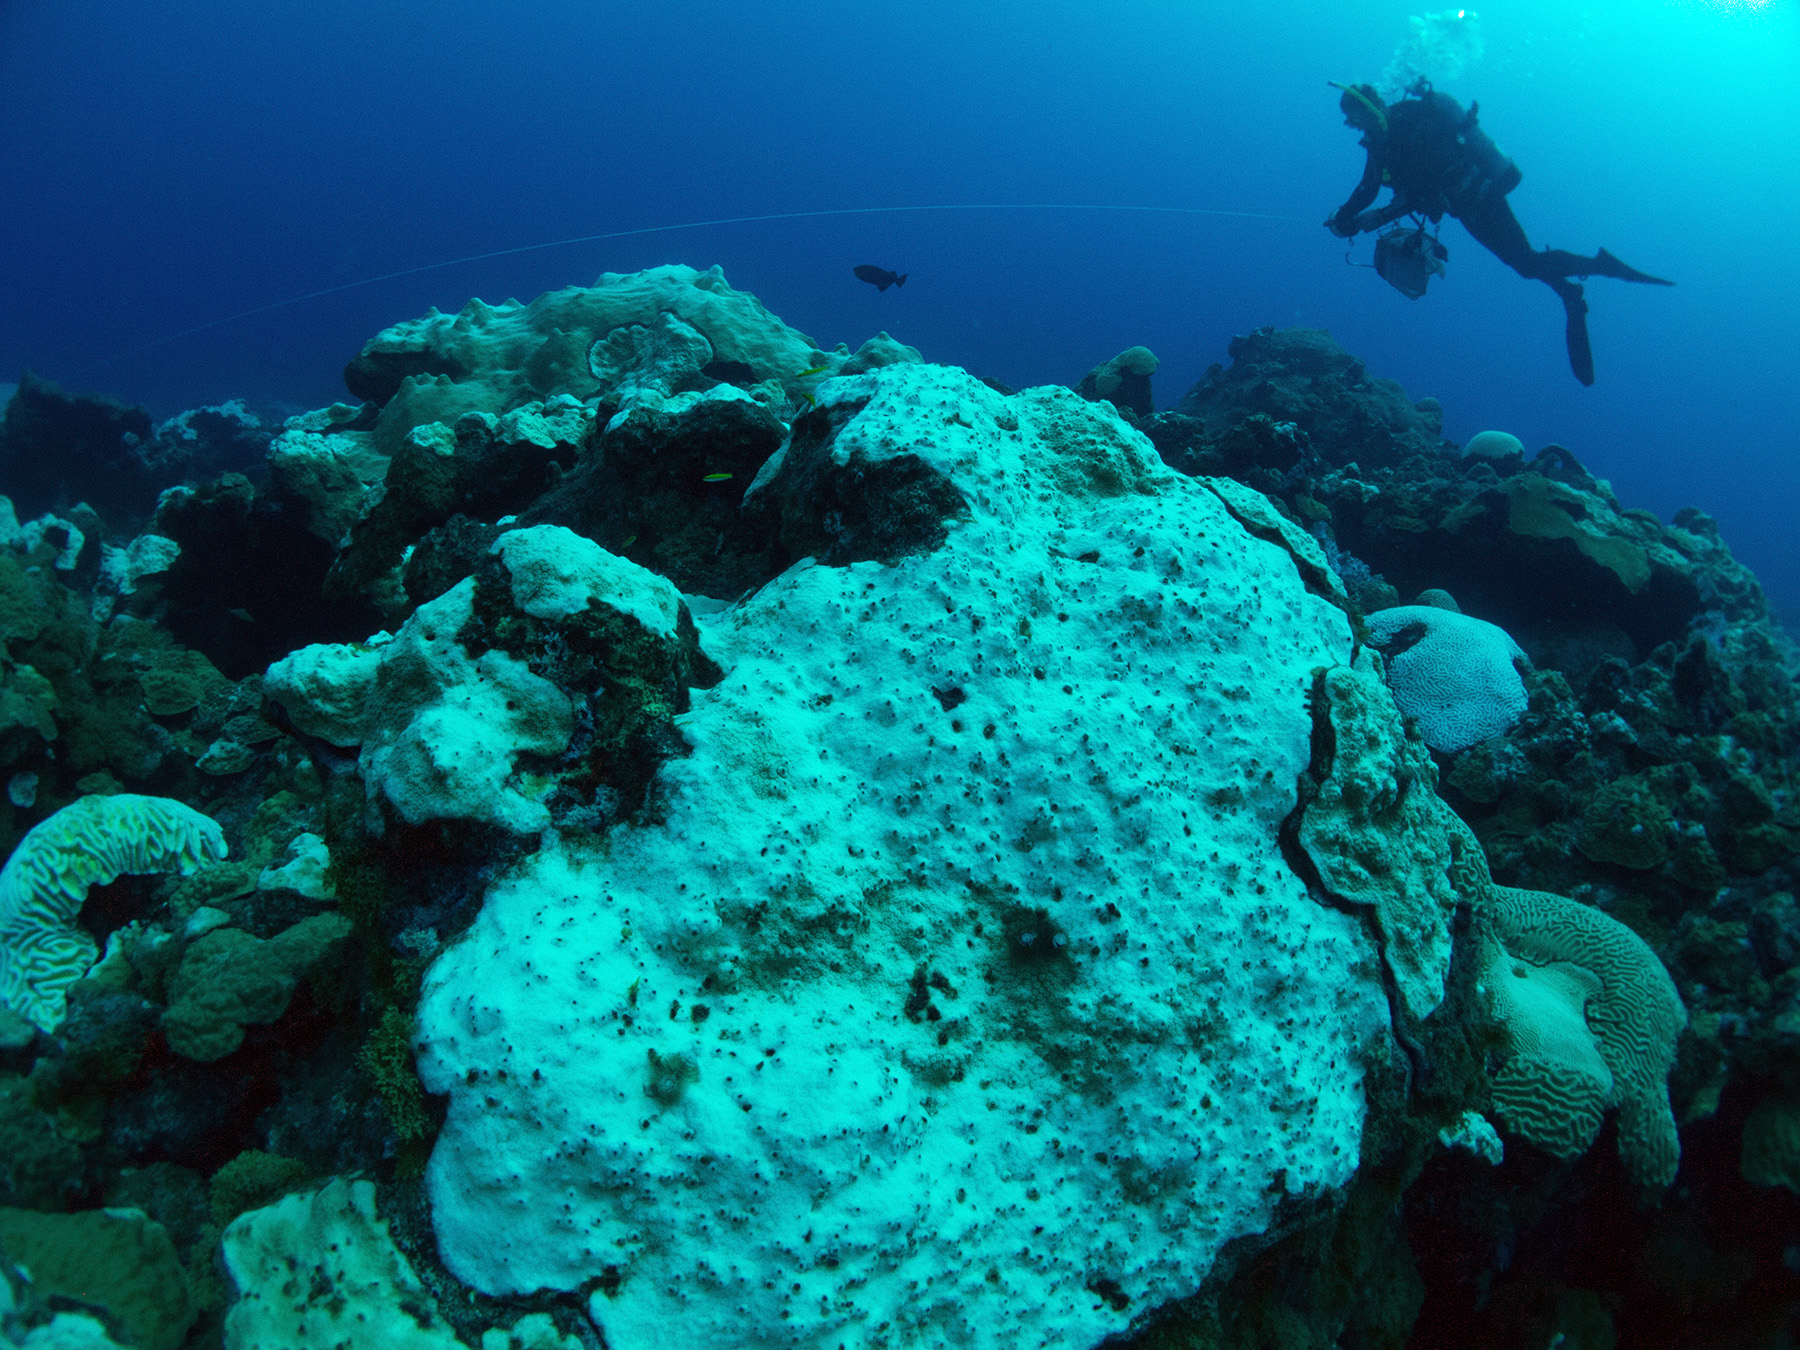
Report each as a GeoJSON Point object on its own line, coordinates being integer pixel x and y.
{"type": "Point", "coordinates": [40, 1168]}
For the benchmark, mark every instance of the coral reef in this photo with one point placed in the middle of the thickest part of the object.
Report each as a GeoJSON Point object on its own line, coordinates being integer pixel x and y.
{"type": "Point", "coordinates": [697, 836]}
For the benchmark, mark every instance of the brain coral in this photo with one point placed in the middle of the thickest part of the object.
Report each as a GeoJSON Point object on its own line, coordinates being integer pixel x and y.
{"type": "Point", "coordinates": [1580, 959]}
{"type": "Point", "coordinates": [87, 843]}
{"type": "Point", "coordinates": [1455, 675]}
{"type": "Point", "coordinates": [1590, 1015]}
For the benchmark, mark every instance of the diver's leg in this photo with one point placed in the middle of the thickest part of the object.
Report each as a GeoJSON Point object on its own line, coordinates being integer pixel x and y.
{"type": "Point", "coordinates": [1575, 333]}
{"type": "Point", "coordinates": [1559, 262]}
{"type": "Point", "coordinates": [1495, 227]}
{"type": "Point", "coordinates": [1497, 230]}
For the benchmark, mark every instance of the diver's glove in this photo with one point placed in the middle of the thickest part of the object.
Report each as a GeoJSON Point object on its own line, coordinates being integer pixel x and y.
{"type": "Point", "coordinates": [1343, 229]}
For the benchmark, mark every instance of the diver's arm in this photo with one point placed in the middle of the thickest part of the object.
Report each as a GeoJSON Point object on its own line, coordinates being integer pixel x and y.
{"type": "Point", "coordinates": [1344, 221]}
{"type": "Point", "coordinates": [1374, 220]}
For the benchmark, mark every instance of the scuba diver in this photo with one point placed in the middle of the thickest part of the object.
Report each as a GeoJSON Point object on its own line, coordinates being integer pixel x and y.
{"type": "Point", "coordinates": [1439, 161]}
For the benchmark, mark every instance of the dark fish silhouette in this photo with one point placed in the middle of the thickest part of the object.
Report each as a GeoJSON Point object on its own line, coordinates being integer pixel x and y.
{"type": "Point", "coordinates": [879, 277]}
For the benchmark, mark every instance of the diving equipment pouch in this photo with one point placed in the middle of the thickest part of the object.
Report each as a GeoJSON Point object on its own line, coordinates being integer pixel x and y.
{"type": "Point", "coordinates": [1407, 259]}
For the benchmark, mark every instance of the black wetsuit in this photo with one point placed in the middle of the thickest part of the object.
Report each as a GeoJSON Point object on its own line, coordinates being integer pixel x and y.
{"type": "Point", "coordinates": [1439, 161]}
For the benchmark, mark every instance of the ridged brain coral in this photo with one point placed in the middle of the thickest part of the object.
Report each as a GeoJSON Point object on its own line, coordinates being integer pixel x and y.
{"type": "Point", "coordinates": [1632, 1010]}
{"type": "Point", "coordinates": [1554, 1088]}
{"type": "Point", "coordinates": [1452, 674]}
{"type": "Point", "coordinates": [87, 843]}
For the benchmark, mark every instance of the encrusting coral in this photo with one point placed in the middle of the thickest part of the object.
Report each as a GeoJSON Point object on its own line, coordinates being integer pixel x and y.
{"type": "Point", "coordinates": [44, 883]}
{"type": "Point", "coordinates": [1374, 830]}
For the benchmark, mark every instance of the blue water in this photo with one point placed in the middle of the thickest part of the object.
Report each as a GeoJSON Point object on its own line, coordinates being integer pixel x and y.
{"type": "Point", "coordinates": [165, 166]}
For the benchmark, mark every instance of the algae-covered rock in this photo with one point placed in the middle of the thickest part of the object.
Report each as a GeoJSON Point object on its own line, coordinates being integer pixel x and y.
{"type": "Point", "coordinates": [1123, 381]}
{"type": "Point", "coordinates": [1770, 1151]}
{"type": "Point", "coordinates": [116, 1258]}
{"type": "Point", "coordinates": [177, 681]}
{"type": "Point", "coordinates": [1627, 822]}
{"type": "Point", "coordinates": [39, 1167]}
{"type": "Point", "coordinates": [229, 980]}
{"type": "Point", "coordinates": [1301, 375]}
{"type": "Point", "coordinates": [479, 464]}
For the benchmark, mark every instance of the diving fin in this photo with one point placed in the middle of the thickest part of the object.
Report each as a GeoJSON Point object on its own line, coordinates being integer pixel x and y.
{"type": "Point", "coordinates": [1605, 265]}
{"type": "Point", "coordinates": [1575, 333]}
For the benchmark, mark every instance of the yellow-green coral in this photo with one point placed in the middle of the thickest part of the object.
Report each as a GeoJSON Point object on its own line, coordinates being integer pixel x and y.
{"type": "Point", "coordinates": [387, 1059]}
{"type": "Point", "coordinates": [87, 843]}
{"type": "Point", "coordinates": [250, 1181]}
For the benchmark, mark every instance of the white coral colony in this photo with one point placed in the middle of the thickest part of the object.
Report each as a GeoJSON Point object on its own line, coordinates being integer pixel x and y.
{"type": "Point", "coordinates": [965, 970]}
{"type": "Point", "coordinates": [1456, 676]}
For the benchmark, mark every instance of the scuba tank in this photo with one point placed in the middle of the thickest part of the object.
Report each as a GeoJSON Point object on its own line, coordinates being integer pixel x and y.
{"type": "Point", "coordinates": [1499, 175]}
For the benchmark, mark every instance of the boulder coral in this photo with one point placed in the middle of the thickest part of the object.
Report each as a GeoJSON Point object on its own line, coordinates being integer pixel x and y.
{"type": "Point", "coordinates": [957, 982]}
{"type": "Point", "coordinates": [1455, 675]}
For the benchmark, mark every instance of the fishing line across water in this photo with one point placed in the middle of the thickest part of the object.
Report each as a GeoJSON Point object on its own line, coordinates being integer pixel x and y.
{"type": "Point", "coordinates": [667, 229]}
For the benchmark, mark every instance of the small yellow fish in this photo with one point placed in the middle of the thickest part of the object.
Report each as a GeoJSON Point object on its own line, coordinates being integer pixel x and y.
{"type": "Point", "coordinates": [715, 478]}
{"type": "Point", "coordinates": [816, 370]}
{"type": "Point", "coordinates": [629, 542]}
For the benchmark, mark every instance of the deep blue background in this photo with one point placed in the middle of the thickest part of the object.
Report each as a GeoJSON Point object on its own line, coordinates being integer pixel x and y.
{"type": "Point", "coordinates": [164, 166]}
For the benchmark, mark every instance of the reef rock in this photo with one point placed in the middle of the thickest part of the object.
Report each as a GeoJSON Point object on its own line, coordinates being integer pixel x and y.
{"type": "Point", "coordinates": [1300, 375]}
{"type": "Point", "coordinates": [654, 329]}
